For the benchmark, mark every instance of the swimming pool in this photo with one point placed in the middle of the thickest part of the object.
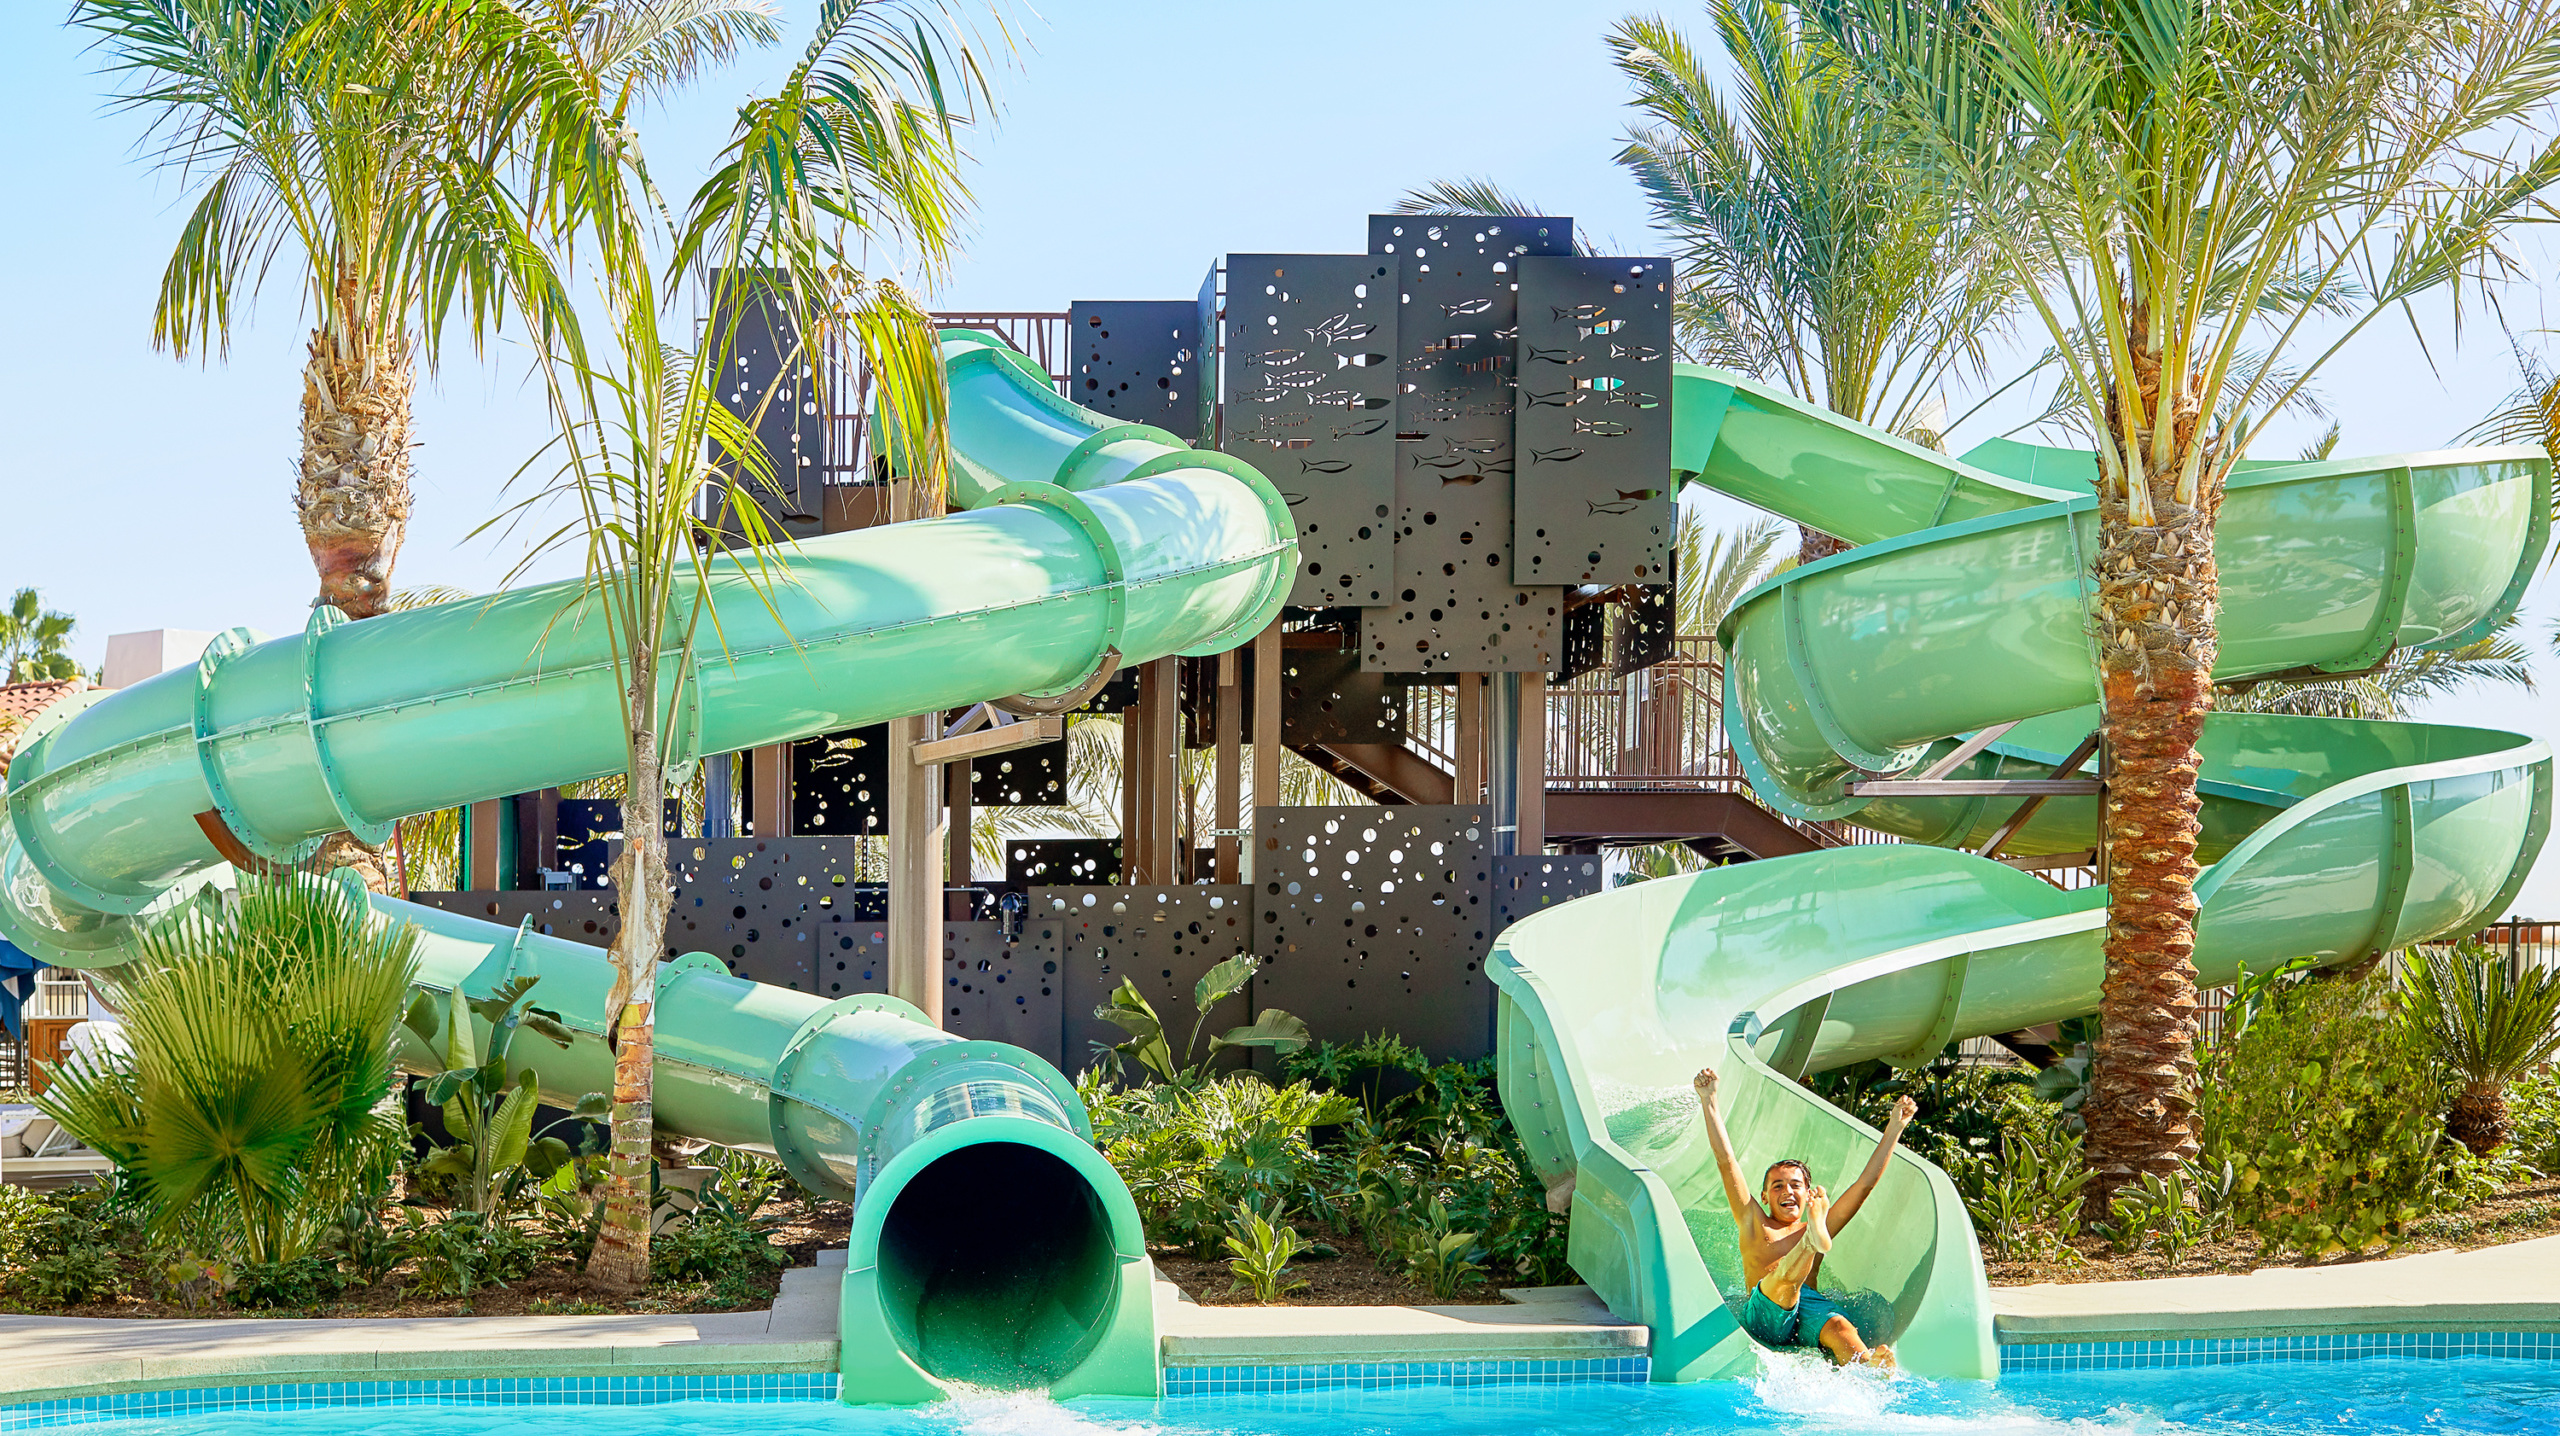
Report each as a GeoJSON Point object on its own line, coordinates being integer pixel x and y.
{"type": "Point", "coordinates": [2469, 1396]}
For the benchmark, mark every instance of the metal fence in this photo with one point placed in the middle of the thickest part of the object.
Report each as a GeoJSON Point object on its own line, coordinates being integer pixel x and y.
{"type": "Point", "coordinates": [1039, 334]}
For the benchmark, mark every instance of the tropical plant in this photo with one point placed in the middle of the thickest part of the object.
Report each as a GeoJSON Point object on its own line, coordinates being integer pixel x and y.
{"type": "Point", "coordinates": [460, 1252]}
{"type": "Point", "coordinates": [489, 1108]}
{"type": "Point", "coordinates": [31, 641]}
{"type": "Point", "coordinates": [1445, 1260]}
{"type": "Point", "coordinates": [2323, 1102]}
{"type": "Point", "coordinates": [1191, 1153]}
{"type": "Point", "coordinates": [1812, 262]}
{"type": "Point", "coordinates": [856, 151]}
{"type": "Point", "coordinates": [1151, 1047]}
{"type": "Point", "coordinates": [2025, 1197]}
{"type": "Point", "coordinates": [1263, 1250]}
{"type": "Point", "coordinates": [2488, 1024]}
{"type": "Point", "coordinates": [58, 1248]}
{"type": "Point", "coordinates": [2182, 189]}
{"type": "Point", "coordinates": [252, 1112]}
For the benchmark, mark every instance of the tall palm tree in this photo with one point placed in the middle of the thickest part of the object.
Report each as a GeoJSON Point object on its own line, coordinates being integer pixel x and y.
{"type": "Point", "coordinates": [1810, 263]}
{"type": "Point", "coordinates": [31, 640]}
{"type": "Point", "coordinates": [2159, 174]}
{"type": "Point", "coordinates": [858, 147]}
{"type": "Point", "coordinates": [344, 137]}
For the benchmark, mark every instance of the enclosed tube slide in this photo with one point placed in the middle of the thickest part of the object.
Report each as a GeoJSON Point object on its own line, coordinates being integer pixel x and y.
{"type": "Point", "coordinates": [991, 1243]}
{"type": "Point", "coordinates": [1967, 605]}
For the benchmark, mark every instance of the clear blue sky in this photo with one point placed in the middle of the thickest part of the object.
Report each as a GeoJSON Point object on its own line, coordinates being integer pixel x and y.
{"type": "Point", "coordinates": [1139, 141]}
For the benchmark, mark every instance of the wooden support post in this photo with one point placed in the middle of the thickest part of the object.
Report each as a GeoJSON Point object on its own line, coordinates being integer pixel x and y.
{"type": "Point", "coordinates": [1266, 717]}
{"type": "Point", "coordinates": [482, 823]}
{"type": "Point", "coordinates": [1532, 838]}
{"type": "Point", "coordinates": [769, 790]}
{"type": "Point", "coordinates": [1230, 762]}
{"type": "Point", "coordinates": [915, 868]}
{"type": "Point", "coordinates": [1469, 742]}
{"type": "Point", "coordinates": [956, 801]}
{"type": "Point", "coordinates": [1157, 757]}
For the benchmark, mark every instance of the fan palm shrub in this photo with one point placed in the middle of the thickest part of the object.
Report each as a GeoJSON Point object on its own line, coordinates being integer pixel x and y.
{"type": "Point", "coordinates": [2488, 1024]}
{"type": "Point", "coordinates": [2204, 201]}
{"type": "Point", "coordinates": [249, 1116]}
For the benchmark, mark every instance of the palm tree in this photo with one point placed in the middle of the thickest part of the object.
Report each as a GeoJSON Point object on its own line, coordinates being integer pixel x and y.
{"type": "Point", "coordinates": [858, 147]}
{"type": "Point", "coordinates": [31, 641]}
{"type": "Point", "coordinates": [2170, 181]}
{"type": "Point", "coordinates": [1810, 263]}
{"type": "Point", "coordinates": [2488, 1025]}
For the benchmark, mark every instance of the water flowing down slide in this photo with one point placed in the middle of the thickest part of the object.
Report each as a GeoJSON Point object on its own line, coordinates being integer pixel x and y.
{"type": "Point", "coordinates": [991, 1243]}
{"type": "Point", "coordinates": [1966, 607]}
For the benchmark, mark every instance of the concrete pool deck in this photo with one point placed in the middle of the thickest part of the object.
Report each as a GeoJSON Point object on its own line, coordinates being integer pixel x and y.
{"type": "Point", "coordinates": [2508, 1288]}
{"type": "Point", "coordinates": [2504, 1288]}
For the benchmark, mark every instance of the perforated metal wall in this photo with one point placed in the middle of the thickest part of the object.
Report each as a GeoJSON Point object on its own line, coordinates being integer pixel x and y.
{"type": "Point", "coordinates": [1586, 639]}
{"type": "Point", "coordinates": [999, 991]}
{"type": "Point", "coordinates": [1326, 697]}
{"type": "Point", "coordinates": [773, 382]}
{"type": "Point", "coordinates": [1138, 360]}
{"type": "Point", "coordinates": [1647, 628]}
{"type": "Point", "coordinates": [1453, 605]}
{"type": "Point", "coordinates": [1594, 501]}
{"type": "Point", "coordinates": [1377, 920]}
{"type": "Point", "coordinates": [1162, 938]}
{"type": "Point", "coordinates": [840, 783]}
{"type": "Point", "coordinates": [1310, 380]}
{"type": "Point", "coordinates": [578, 916]}
{"type": "Point", "coordinates": [1094, 861]}
{"type": "Point", "coordinates": [1523, 884]}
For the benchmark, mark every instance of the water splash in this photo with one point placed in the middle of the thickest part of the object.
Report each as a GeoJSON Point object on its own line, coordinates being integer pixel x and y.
{"type": "Point", "coordinates": [1823, 1398]}
{"type": "Point", "coordinates": [984, 1411]}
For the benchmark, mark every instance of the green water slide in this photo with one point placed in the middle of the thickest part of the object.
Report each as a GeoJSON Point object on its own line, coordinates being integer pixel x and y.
{"type": "Point", "coordinates": [991, 1243]}
{"type": "Point", "coordinates": [1965, 607]}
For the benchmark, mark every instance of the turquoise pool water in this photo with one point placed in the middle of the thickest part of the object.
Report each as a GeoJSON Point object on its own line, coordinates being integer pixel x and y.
{"type": "Point", "coordinates": [2462, 1397]}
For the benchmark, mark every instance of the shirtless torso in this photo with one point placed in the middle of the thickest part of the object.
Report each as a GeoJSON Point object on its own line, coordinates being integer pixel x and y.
{"type": "Point", "coordinates": [1785, 1230]}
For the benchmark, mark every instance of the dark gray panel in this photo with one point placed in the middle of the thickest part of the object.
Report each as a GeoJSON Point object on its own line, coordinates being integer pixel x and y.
{"type": "Point", "coordinates": [1326, 697]}
{"type": "Point", "coordinates": [1647, 630]}
{"type": "Point", "coordinates": [1594, 492]}
{"type": "Point", "coordinates": [1093, 861]}
{"type": "Point", "coordinates": [998, 991]}
{"type": "Point", "coordinates": [1523, 884]}
{"type": "Point", "coordinates": [1377, 920]}
{"type": "Point", "coordinates": [1453, 606]}
{"type": "Point", "coordinates": [588, 917]}
{"type": "Point", "coordinates": [840, 782]}
{"type": "Point", "coordinates": [1310, 380]}
{"type": "Point", "coordinates": [768, 906]}
{"type": "Point", "coordinates": [770, 378]}
{"type": "Point", "coordinates": [852, 956]}
{"type": "Point", "coordinates": [1138, 360]}
{"type": "Point", "coordinates": [1021, 777]}
{"type": "Point", "coordinates": [1205, 391]}
{"type": "Point", "coordinates": [1586, 639]}
{"type": "Point", "coordinates": [1162, 938]}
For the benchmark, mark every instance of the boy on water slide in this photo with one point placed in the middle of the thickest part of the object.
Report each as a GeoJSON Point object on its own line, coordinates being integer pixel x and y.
{"type": "Point", "coordinates": [1786, 1230]}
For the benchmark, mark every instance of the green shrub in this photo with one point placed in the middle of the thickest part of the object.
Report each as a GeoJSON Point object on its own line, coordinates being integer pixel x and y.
{"type": "Point", "coordinates": [2533, 1104]}
{"type": "Point", "coordinates": [250, 1112]}
{"type": "Point", "coordinates": [2326, 1106]}
{"type": "Point", "coordinates": [464, 1251]}
{"type": "Point", "coordinates": [1190, 1154]}
{"type": "Point", "coordinates": [2024, 1197]}
{"type": "Point", "coordinates": [302, 1282]}
{"type": "Point", "coordinates": [2486, 1025]}
{"type": "Point", "coordinates": [60, 1249]}
{"type": "Point", "coordinates": [707, 1246]}
{"type": "Point", "coordinates": [1263, 1250]}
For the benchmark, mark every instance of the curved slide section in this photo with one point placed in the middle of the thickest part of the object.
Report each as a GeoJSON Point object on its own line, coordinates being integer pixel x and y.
{"type": "Point", "coordinates": [991, 1243]}
{"type": "Point", "coordinates": [1965, 608]}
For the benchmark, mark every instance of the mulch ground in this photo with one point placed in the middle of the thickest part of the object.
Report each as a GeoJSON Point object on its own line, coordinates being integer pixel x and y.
{"type": "Point", "coordinates": [1354, 1278]}
{"type": "Point", "coordinates": [2520, 1213]}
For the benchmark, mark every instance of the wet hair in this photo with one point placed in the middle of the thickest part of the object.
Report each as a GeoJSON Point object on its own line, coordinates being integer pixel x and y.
{"type": "Point", "coordinates": [1800, 1167]}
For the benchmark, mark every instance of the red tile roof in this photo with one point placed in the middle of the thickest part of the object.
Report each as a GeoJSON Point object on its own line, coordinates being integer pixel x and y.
{"type": "Point", "coordinates": [21, 702]}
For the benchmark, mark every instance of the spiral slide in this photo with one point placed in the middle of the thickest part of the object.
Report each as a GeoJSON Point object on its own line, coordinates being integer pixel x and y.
{"type": "Point", "coordinates": [991, 1243]}
{"type": "Point", "coordinates": [1965, 607]}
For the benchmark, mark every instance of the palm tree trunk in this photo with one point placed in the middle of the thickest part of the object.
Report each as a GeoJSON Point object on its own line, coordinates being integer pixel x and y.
{"type": "Point", "coordinates": [2157, 598]}
{"type": "Point", "coordinates": [621, 1257]}
{"type": "Point", "coordinates": [353, 494]}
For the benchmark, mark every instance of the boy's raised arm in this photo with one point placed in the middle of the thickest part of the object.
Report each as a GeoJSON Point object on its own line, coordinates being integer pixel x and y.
{"type": "Point", "coordinates": [1736, 1191]}
{"type": "Point", "coordinates": [1856, 1197]}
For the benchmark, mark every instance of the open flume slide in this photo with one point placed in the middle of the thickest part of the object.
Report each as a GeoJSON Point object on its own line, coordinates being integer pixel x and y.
{"type": "Point", "coordinates": [991, 1243]}
{"type": "Point", "coordinates": [1966, 607]}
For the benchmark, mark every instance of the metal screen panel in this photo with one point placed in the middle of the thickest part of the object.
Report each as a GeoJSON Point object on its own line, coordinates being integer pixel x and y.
{"type": "Point", "coordinates": [1648, 628]}
{"type": "Point", "coordinates": [768, 906]}
{"type": "Point", "coordinates": [1586, 640]}
{"type": "Point", "coordinates": [1310, 380]}
{"type": "Point", "coordinates": [999, 991]}
{"type": "Point", "coordinates": [588, 917]}
{"type": "Point", "coordinates": [1326, 697]}
{"type": "Point", "coordinates": [1164, 939]}
{"type": "Point", "coordinates": [1138, 360]}
{"type": "Point", "coordinates": [1594, 492]}
{"type": "Point", "coordinates": [1093, 861]}
{"type": "Point", "coordinates": [840, 783]}
{"type": "Point", "coordinates": [1205, 316]}
{"type": "Point", "coordinates": [772, 381]}
{"type": "Point", "coordinates": [1453, 605]}
{"type": "Point", "coordinates": [1525, 883]}
{"type": "Point", "coordinates": [1378, 920]}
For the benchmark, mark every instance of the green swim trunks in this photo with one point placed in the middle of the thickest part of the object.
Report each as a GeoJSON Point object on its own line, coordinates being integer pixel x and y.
{"type": "Point", "coordinates": [1773, 1325]}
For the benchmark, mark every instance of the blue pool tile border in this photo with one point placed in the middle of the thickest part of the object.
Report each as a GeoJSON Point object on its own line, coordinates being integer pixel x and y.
{"type": "Point", "coordinates": [1271, 1380]}
{"type": "Point", "coordinates": [2026, 1358]}
{"type": "Point", "coordinates": [517, 1391]}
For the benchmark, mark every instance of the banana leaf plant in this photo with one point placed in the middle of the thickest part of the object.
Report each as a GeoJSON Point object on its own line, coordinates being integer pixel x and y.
{"type": "Point", "coordinates": [1151, 1048]}
{"type": "Point", "coordinates": [489, 1111]}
